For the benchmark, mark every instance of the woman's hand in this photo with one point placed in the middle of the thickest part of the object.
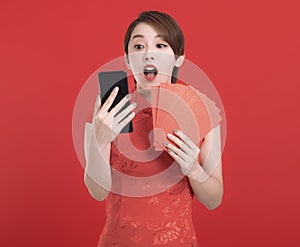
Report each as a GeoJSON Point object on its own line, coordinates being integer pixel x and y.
{"type": "Point", "coordinates": [107, 125]}
{"type": "Point", "coordinates": [186, 154]}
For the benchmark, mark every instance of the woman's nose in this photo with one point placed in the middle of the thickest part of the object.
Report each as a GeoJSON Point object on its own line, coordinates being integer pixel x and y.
{"type": "Point", "coordinates": [148, 56]}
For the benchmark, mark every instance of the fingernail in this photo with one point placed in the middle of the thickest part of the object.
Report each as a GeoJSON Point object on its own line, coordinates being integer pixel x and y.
{"type": "Point", "coordinates": [176, 131]}
{"type": "Point", "coordinates": [165, 144]}
{"type": "Point", "coordinates": [116, 89]}
{"type": "Point", "coordinates": [169, 135]}
{"type": "Point", "coordinates": [128, 96]}
{"type": "Point", "coordinates": [134, 104]}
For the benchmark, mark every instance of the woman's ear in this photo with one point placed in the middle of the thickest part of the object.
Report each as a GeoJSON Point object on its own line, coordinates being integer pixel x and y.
{"type": "Point", "coordinates": [127, 61]}
{"type": "Point", "coordinates": [179, 61]}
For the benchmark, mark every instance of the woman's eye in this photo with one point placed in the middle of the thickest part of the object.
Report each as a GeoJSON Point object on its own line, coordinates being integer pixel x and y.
{"type": "Point", "coordinates": [138, 47]}
{"type": "Point", "coordinates": [161, 45]}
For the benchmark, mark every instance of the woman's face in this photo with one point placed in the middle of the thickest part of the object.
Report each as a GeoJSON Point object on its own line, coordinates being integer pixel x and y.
{"type": "Point", "coordinates": [150, 58]}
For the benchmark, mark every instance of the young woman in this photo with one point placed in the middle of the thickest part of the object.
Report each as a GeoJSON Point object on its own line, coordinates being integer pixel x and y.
{"type": "Point", "coordinates": [154, 50]}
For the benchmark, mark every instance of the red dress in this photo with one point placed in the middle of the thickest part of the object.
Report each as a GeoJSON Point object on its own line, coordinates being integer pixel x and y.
{"type": "Point", "coordinates": [164, 218]}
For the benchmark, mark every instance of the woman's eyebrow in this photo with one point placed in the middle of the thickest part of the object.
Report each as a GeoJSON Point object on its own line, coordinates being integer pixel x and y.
{"type": "Point", "coordinates": [137, 36]}
{"type": "Point", "coordinates": [142, 36]}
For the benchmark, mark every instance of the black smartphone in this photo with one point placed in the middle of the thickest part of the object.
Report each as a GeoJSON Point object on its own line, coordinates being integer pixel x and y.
{"type": "Point", "coordinates": [108, 80]}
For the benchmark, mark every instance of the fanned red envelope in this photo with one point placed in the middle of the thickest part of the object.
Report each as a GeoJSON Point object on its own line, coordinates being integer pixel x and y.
{"type": "Point", "coordinates": [184, 108]}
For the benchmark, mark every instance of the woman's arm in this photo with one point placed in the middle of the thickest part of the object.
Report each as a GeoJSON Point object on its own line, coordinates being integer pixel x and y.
{"type": "Point", "coordinates": [206, 180]}
{"type": "Point", "coordinates": [97, 176]}
{"type": "Point", "coordinates": [98, 137]}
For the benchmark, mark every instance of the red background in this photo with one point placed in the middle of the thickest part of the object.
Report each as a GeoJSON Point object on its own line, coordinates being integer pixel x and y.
{"type": "Point", "coordinates": [48, 49]}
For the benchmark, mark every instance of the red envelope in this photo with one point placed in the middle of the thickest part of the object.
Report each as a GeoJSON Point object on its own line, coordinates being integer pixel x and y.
{"type": "Point", "coordinates": [184, 108]}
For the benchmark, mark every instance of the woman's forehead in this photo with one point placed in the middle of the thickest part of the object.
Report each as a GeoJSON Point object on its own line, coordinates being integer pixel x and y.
{"type": "Point", "coordinates": [143, 29]}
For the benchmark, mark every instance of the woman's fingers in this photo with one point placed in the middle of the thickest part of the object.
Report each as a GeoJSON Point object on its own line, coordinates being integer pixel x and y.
{"type": "Point", "coordinates": [176, 157]}
{"type": "Point", "coordinates": [124, 122]}
{"type": "Point", "coordinates": [184, 138]}
{"type": "Point", "coordinates": [176, 150]}
{"type": "Point", "coordinates": [185, 153]}
{"type": "Point", "coordinates": [125, 112]}
{"type": "Point", "coordinates": [107, 104]}
{"type": "Point", "coordinates": [97, 105]}
{"type": "Point", "coordinates": [179, 143]}
{"type": "Point", "coordinates": [119, 106]}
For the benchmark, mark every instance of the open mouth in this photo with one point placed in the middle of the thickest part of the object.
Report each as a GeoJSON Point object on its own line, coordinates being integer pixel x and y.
{"type": "Point", "coordinates": [150, 72]}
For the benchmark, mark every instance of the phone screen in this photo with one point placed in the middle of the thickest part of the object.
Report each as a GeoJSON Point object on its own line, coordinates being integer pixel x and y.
{"type": "Point", "coordinates": [108, 80]}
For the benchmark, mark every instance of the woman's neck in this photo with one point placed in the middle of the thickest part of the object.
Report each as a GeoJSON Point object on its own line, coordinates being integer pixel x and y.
{"type": "Point", "coordinates": [145, 92]}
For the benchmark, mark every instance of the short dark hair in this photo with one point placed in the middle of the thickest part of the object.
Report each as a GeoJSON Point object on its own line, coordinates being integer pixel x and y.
{"type": "Point", "coordinates": [166, 26]}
